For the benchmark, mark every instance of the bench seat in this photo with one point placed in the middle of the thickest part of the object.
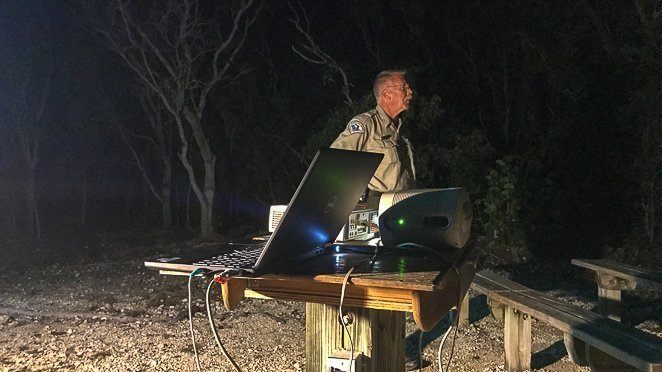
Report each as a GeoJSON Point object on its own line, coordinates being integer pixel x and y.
{"type": "Point", "coordinates": [598, 340]}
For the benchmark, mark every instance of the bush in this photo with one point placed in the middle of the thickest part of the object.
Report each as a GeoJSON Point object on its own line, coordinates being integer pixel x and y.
{"type": "Point", "coordinates": [498, 212]}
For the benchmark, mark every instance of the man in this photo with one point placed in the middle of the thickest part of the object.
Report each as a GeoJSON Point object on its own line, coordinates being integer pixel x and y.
{"type": "Point", "coordinates": [378, 130]}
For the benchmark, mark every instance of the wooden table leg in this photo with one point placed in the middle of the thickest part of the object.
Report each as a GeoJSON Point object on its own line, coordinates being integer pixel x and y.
{"type": "Point", "coordinates": [378, 334]}
{"type": "Point", "coordinates": [233, 292]}
{"type": "Point", "coordinates": [609, 303]}
{"type": "Point", "coordinates": [609, 294]}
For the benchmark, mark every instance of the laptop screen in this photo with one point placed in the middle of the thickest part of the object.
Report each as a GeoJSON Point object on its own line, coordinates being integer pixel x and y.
{"type": "Point", "coordinates": [320, 205]}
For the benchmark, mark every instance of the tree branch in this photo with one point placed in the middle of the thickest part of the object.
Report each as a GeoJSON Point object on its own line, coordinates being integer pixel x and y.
{"type": "Point", "coordinates": [315, 54]}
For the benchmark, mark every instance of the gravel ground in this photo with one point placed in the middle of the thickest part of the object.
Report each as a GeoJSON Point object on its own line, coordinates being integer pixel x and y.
{"type": "Point", "coordinates": [118, 316]}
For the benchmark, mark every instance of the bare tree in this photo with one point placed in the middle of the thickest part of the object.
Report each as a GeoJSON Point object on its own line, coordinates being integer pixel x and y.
{"type": "Point", "coordinates": [162, 141]}
{"type": "Point", "coordinates": [313, 53]}
{"type": "Point", "coordinates": [159, 142]}
{"type": "Point", "coordinates": [26, 92]}
{"type": "Point", "coordinates": [181, 57]}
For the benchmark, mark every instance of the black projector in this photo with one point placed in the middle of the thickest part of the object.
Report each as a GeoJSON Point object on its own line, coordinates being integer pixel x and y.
{"type": "Point", "coordinates": [434, 218]}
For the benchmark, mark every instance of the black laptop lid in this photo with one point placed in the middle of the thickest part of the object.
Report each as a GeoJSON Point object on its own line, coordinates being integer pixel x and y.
{"type": "Point", "coordinates": [321, 204]}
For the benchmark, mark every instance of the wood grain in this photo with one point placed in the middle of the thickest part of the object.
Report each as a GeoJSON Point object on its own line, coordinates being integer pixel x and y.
{"type": "Point", "coordinates": [378, 334]}
{"type": "Point", "coordinates": [517, 340]}
{"type": "Point", "coordinates": [628, 344]}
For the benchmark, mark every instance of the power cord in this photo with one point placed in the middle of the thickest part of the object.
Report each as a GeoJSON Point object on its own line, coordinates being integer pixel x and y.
{"type": "Point", "coordinates": [190, 316]}
{"type": "Point", "coordinates": [441, 346]}
{"type": "Point", "coordinates": [342, 298]}
{"type": "Point", "coordinates": [429, 250]}
{"type": "Point", "coordinates": [420, 351]}
{"type": "Point", "coordinates": [220, 279]}
{"type": "Point", "coordinates": [342, 317]}
{"type": "Point", "coordinates": [455, 318]}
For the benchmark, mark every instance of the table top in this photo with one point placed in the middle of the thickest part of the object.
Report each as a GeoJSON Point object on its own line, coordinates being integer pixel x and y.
{"type": "Point", "coordinates": [405, 269]}
{"type": "Point", "coordinates": [427, 285]}
{"type": "Point", "coordinates": [621, 270]}
{"type": "Point", "coordinates": [398, 272]}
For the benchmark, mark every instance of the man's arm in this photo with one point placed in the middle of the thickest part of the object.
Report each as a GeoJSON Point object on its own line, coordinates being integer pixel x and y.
{"type": "Point", "coordinates": [353, 137]}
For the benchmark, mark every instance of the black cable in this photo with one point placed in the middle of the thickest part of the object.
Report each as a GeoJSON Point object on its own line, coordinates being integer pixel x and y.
{"type": "Point", "coordinates": [455, 320]}
{"type": "Point", "coordinates": [427, 249]}
{"type": "Point", "coordinates": [420, 351]}
{"type": "Point", "coordinates": [459, 302]}
{"type": "Point", "coordinates": [342, 317]}
{"type": "Point", "coordinates": [450, 357]}
{"type": "Point", "coordinates": [190, 318]}
{"type": "Point", "coordinates": [213, 328]}
{"type": "Point", "coordinates": [342, 298]}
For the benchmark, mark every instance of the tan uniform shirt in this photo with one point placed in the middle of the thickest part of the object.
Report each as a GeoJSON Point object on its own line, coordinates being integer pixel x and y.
{"type": "Point", "coordinates": [374, 131]}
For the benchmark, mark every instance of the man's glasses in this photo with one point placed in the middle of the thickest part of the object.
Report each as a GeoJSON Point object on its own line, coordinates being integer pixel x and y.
{"type": "Point", "coordinates": [402, 87]}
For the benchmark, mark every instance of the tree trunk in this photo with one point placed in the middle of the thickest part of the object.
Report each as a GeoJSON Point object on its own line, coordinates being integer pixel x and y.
{"type": "Point", "coordinates": [83, 207]}
{"type": "Point", "coordinates": [206, 195]}
{"type": "Point", "coordinates": [188, 205]}
{"type": "Point", "coordinates": [206, 220]}
{"type": "Point", "coordinates": [207, 228]}
{"type": "Point", "coordinates": [166, 185]}
{"type": "Point", "coordinates": [32, 212]}
{"type": "Point", "coordinates": [648, 201]}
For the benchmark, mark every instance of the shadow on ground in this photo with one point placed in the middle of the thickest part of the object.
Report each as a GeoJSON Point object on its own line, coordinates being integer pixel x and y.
{"type": "Point", "coordinates": [478, 310]}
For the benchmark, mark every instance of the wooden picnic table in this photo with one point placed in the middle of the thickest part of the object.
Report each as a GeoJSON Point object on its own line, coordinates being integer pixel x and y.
{"type": "Point", "coordinates": [612, 277]}
{"type": "Point", "coordinates": [376, 299]}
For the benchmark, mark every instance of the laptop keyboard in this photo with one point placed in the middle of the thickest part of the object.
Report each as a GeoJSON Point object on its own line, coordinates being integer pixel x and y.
{"type": "Point", "coordinates": [244, 257]}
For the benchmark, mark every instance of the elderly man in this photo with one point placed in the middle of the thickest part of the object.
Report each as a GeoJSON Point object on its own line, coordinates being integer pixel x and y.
{"type": "Point", "coordinates": [378, 130]}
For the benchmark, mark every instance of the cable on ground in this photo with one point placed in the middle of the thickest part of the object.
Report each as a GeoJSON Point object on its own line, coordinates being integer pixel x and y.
{"type": "Point", "coordinates": [218, 278]}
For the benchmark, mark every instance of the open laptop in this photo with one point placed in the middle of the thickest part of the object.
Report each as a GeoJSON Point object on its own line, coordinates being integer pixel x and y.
{"type": "Point", "coordinates": [318, 210]}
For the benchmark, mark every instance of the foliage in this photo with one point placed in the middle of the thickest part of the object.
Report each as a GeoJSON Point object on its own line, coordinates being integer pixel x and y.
{"type": "Point", "coordinates": [498, 212]}
{"type": "Point", "coordinates": [448, 157]}
{"type": "Point", "coordinates": [423, 124]}
{"type": "Point", "coordinates": [468, 161]}
{"type": "Point", "coordinates": [327, 129]}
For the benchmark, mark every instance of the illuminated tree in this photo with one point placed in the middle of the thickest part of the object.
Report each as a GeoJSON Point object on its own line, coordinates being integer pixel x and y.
{"type": "Point", "coordinates": [182, 57]}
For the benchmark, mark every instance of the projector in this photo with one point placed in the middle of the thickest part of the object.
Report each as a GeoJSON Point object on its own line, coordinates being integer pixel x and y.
{"type": "Point", "coordinates": [435, 218]}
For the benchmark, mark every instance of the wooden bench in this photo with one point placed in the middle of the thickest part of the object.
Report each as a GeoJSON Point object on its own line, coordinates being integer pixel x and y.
{"type": "Point", "coordinates": [612, 277]}
{"type": "Point", "coordinates": [591, 339]}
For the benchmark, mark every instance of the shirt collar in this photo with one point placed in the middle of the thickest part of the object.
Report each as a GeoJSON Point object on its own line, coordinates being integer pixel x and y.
{"type": "Point", "coordinates": [384, 118]}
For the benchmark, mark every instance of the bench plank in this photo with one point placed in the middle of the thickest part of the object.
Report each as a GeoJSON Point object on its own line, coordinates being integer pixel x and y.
{"type": "Point", "coordinates": [630, 345]}
{"type": "Point", "coordinates": [621, 270]}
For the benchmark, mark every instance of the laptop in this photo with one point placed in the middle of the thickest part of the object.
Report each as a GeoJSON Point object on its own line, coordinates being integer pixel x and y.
{"type": "Point", "coordinates": [330, 189]}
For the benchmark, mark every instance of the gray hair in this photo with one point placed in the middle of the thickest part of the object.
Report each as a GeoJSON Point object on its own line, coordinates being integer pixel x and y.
{"type": "Point", "coordinates": [383, 77]}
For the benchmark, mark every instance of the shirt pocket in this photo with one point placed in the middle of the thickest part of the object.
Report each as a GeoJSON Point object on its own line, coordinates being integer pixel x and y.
{"type": "Point", "coordinates": [385, 146]}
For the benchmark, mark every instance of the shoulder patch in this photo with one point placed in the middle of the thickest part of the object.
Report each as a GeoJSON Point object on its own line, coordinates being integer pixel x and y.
{"type": "Point", "coordinates": [355, 126]}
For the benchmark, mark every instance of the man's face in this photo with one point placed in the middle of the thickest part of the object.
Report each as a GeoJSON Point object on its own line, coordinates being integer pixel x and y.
{"type": "Point", "coordinates": [398, 93]}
